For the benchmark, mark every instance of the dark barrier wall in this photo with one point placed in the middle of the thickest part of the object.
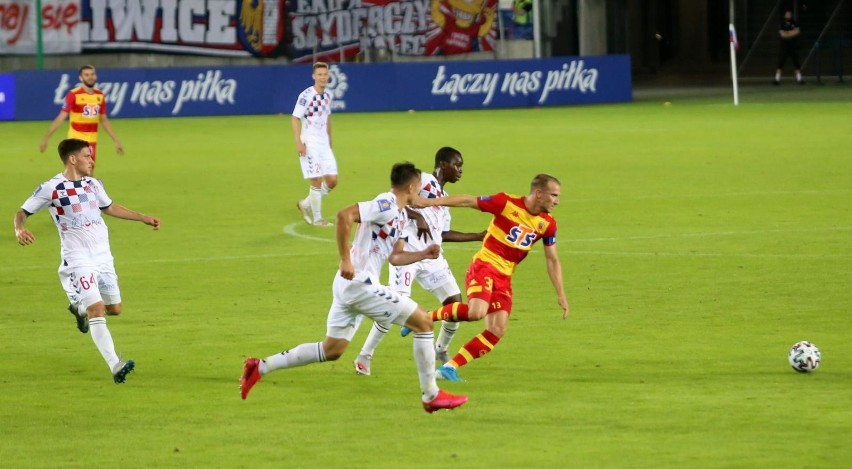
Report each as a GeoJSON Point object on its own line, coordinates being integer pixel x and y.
{"type": "Point", "coordinates": [205, 91]}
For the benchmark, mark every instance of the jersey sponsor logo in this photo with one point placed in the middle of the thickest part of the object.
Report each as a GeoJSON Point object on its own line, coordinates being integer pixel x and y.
{"type": "Point", "coordinates": [91, 110]}
{"type": "Point", "coordinates": [521, 235]}
{"type": "Point", "coordinates": [384, 205]}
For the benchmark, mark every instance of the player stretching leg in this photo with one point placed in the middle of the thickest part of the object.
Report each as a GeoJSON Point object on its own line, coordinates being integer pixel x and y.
{"type": "Point", "coordinates": [518, 222]}
{"type": "Point", "coordinates": [357, 291]}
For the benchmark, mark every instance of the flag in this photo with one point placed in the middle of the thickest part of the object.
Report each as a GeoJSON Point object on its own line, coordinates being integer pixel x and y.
{"type": "Point", "coordinates": [732, 34]}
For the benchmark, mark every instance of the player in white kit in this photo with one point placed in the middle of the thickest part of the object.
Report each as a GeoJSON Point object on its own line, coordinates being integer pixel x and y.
{"type": "Point", "coordinates": [434, 275]}
{"type": "Point", "coordinates": [311, 124]}
{"type": "Point", "coordinates": [357, 291]}
{"type": "Point", "coordinates": [75, 201]}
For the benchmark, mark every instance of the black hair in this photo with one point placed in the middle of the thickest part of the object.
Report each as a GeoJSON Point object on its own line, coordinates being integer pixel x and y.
{"type": "Point", "coordinates": [403, 173]}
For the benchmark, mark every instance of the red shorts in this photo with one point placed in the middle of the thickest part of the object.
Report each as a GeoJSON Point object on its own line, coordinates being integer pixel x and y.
{"type": "Point", "coordinates": [485, 282]}
{"type": "Point", "coordinates": [92, 149]}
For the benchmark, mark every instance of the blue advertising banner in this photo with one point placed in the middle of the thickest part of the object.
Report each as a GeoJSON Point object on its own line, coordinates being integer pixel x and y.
{"type": "Point", "coordinates": [7, 97]}
{"type": "Point", "coordinates": [203, 91]}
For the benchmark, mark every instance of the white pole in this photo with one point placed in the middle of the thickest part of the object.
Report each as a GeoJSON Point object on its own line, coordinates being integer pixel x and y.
{"type": "Point", "coordinates": [734, 66]}
{"type": "Point", "coordinates": [536, 14]}
{"type": "Point", "coordinates": [732, 32]}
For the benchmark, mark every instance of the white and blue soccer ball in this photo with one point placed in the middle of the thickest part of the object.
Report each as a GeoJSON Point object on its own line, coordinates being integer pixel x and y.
{"type": "Point", "coordinates": [804, 357]}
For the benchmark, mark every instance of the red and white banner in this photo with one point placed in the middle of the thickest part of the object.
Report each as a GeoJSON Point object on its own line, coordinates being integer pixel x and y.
{"type": "Point", "coordinates": [205, 27]}
{"type": "Point", "coordinates": [60, 23]}
{"type": "Point", "coordinates": [330, 30]}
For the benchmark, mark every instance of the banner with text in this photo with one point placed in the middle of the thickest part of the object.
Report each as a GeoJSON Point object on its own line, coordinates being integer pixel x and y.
{"type": "Point", "coordinates": [60, 22]}
{"type": "Point", "coordinates": [200, 91]}
{"type": "Point", "coordinates": [219, 28]}
{"type": "Point", "coordinates": [327, 30]}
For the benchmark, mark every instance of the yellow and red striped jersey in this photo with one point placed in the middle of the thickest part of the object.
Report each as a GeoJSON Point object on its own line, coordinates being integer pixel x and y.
{"type": "Point", "coordinates": [84, 111]}
{"type": "Point", "coordinates": [512, 231]}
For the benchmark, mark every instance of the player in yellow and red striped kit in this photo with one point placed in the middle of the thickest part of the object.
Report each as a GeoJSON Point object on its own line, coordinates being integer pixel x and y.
{"type": "Point", "coordinates": [86, 107]}
{"type": "Point", "coordinates": [518, 223]}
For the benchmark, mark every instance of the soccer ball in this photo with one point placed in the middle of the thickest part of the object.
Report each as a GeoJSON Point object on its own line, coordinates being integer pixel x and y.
{"type": "Point", "coordinates": [804, 357]}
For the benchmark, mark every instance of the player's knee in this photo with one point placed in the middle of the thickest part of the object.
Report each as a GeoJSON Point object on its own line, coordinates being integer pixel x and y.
{"type": "Point", "coordinates": [96, 310]}
{"type": "Point", "coordinates": [333, 350]}
{"type": "Point", "coordinates": [497, 329]}
{"type": "Point", "coordinates": [419, 321]}
{"type": "Point", "coordinates": [113, 310]}
{"type": "Point", "coordinates": [452, 299]}
{"type": "Point", "coordinates": [477, 314]}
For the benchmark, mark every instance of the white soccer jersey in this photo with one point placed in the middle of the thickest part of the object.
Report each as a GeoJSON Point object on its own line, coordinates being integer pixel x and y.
{"type": "Point", "coordinates": [438, 218]}
{"type": "Point", "coordinates": [382, 225]}
{"type": "Point", "coordinates": [75, 207]}
{"type": "Point", "coordinates": [314, 110]}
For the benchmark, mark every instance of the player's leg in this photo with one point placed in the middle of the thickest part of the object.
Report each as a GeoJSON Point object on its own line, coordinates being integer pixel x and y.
{"type": "Point", "coordinates": [399, 280]}
{"type": "Point", "coordinates": [424, 357]}
{"type": "Point", "coordinates": [81, 284]}
{"type": "Point", "coordinates": [310, 170]}
{"type": "Point", "coordinates": [439, 280]}
{"type": "Point", "coordinates": [108, 286]}
{"type": "Point", "coordinates": [341, 327]}
{"type": "Point", "coordinates": [446, 334]}
{"type": "Point", "coordinates": [93, 149]}
{"type": "Point", "coordinates": [797, 67]}
{"type": "Point", "coordinates": [479, 282]}
{"type": "Point", "coordinates": [363, 362]}
{"type": "Point", "coordinates": [328, 169]}
{"type": "Point", "coordinates": [782, 57]}
{"type": "Point", "coordinates": [499, 307]}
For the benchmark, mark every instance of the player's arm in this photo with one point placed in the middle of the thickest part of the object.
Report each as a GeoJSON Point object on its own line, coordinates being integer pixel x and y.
{"type": "Point", "coordinates": [554, 271]}
{"type": "Point", "coordinates": [423, 230]}
{"type": "Point", "coordinates": [345, 219]}
{"type": "Point", "coordinates": [53, 126]}
{"type": "Point", "coordinates": [296, 125]}
{"type": "Point", "coordinates": [108, 127]}
{"type": "Point", "coordinates": [457, 200]}
{"type": "Point", "coordinates": [453, 236]}
{"type": "Point", "coordinates": [400, 257]}
{"type": "Point", "coordinates": [21, 232]}
{"type": "Point", "coordinates": [119, 211]}
{"type": "Point", "coordinates": [328, 130]}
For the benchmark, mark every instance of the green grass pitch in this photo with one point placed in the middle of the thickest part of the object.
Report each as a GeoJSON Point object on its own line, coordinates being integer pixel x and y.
{"type": "Point", "coordinates": [699, 241]}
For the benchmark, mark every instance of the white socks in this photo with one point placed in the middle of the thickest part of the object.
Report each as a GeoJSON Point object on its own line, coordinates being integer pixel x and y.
{"type": "Point", "coordinates": [300, 355]}
{"type": "Point", "coordinates": [448, 331]}
{"type": "Point", "coordinates": [315, 201]}
{"type": "Point", "coordinates": [103, 341]}
{"type": "Point", "coordinates": [424, 357]}
{"type": "Point", "coordinates": [377, 333]}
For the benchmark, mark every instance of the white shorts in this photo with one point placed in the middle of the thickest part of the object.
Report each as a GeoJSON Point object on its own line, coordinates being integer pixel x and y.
{"type": "Point", "coordinates": [319, 161]}
{"type": "Point", "coordinates": [434, 275]}
{"type": "Point", "coordinates": [86, 285]}
{"type": "Point", "coordinates": [354, 299]}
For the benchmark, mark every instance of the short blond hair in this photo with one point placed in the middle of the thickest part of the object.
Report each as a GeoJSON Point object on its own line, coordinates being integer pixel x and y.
{"type": "Point", "coordinates": [540, 181]}
{"type": "Point", "coordinates": [320, 65]}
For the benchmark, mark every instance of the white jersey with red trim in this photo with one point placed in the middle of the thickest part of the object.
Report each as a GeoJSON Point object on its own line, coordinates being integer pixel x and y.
{"type": "Point", "coordinates": [314, 109]}
{"type": "Point", "coordinates": [75, 207]}
{"type": "Point", "coordinates": [382, 225]}
{"type": "Point", "coordinates": [438, 218]}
